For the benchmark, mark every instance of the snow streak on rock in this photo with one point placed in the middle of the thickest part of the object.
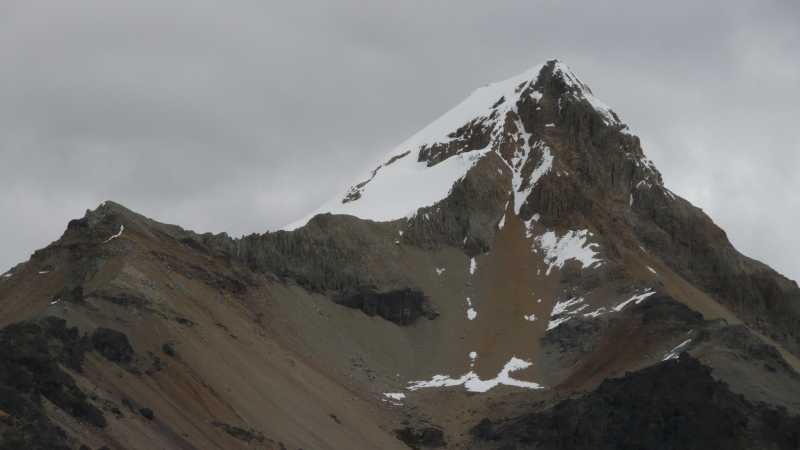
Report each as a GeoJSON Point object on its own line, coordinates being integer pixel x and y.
{"type": "Point", "coordinates": [563, 311]}
{"type": "Point", "coordinates": [521, 187]}
{"type": "Point", "coordinates": [119, 233]}
{"type": "Point", "coordinates": [675, 352]}
{"type": "Point", "coordinates": [638, 298]}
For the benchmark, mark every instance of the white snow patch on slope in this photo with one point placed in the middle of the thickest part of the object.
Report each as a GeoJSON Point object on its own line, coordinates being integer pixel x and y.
{"type": "Point", "coordinates": [394, 395]}
{"type": "Point", "coordinates": [652, 270]}
{"type": "Point", "coordinates": [675, 352]}
{"type": "Point", "coordinates": [471, 313]}
{"type": "Point", "coordinates": [43, 272]}
{"type": "Point", "coordinates": [562, 307]}
{"type": "Point", "coordinates": [530, 317]}
{"type": "Point", "coordinates": [573, 245]}
{"type": "Point", "coordinates": [638, 298]}
{"type": "Point", "coordinates": [473, 383]}
{"type": "Point", "coordinates": [119, 233]}
{"type": "Point", "coordinates": [8, 275]}
{"type": "Point", "coordinates": [401, 188]}
{"type": "Point", "coordinates": [440, 270]}
{"type": "Point", "coordinates": [473, 266]}
{"type": "Point", "coordinates": [561, 312]}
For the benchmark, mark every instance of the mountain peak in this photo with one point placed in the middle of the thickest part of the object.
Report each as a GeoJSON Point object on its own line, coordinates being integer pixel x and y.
{"type": "Point", "coordinates": [517, 119]}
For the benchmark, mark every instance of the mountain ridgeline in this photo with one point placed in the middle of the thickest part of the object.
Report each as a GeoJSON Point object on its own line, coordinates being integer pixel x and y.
{"type": "Point", "coordinates": [514, 276]}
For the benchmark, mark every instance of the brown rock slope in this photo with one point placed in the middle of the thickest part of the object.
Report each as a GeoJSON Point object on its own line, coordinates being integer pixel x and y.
{"type": "Point", "coordinates": [474, 323]}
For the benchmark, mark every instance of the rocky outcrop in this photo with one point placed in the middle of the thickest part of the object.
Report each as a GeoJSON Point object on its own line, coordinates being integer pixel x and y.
{"type": "Point", "coordinates": [113, 345]}
{"type": "Point", "coordinates": [31, 358]}
{"type": "Point", "coordinates": [676, 404]}
{"type": "Point", "coordinates": [421, 438]}
{"type": "Point", "coordinates": [402, 306]}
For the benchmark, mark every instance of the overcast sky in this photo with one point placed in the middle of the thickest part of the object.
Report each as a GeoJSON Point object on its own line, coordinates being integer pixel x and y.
{"type": "Point", "coordinates": [241, 116]}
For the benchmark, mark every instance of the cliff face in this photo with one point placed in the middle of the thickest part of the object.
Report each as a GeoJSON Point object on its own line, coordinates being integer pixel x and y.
{"type": "Point", "coordinates": [515, 275]}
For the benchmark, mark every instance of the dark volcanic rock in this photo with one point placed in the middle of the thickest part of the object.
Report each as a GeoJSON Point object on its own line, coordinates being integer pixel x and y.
{"type": "Point", "coordinates": [403, 306]}
{"type": "Point", "coordinates": [419, 438]}
{"type": "Point", "coordinates": [676, 404]}
{"type": "Point", "coordinates": [31, 359]}
{"type": "Point", "coordinates": [147, 413]}
{"type": "Point", "coordinates": [113, 345]}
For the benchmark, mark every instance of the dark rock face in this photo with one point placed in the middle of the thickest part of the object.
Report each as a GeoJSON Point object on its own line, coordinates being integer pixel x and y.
{"type": "Point", "coordinates": [578, 334]}
{"type": "Point", "coordinates": [676, 404]}
{"type": "Point", "coordinates": [695, 247]}
{"type": "Point", "coordinates": [113, 345]}
{"type": "Point", "coordinates": [332, 254]}
{"type": "Point", "coordinates": [147, 413]}
{"type": "Point", "coordinates": [474, 135]}
{"type": "Point", "coordinates": [403, 306]}
{"type": "Point", "coordinates": [427, 437]}
{"type": "Point", "coordinates": [31, 355]}
{"type": "Point", "coordinates": [468, 217]}
{"type": "Point", "coordinates": [241, 433]}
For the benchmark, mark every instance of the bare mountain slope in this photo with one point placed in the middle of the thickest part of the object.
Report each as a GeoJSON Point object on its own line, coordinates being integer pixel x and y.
{"type": "Point", "coordinates": [517, 262]}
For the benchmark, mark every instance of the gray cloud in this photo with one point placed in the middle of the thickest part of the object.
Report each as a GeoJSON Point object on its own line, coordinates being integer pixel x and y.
{"type": "Point", "coordinates": [243, 116]}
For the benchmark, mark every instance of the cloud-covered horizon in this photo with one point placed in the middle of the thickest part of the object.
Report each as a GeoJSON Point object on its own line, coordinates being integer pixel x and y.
{"type": "Point", "coordinates": [241, 117]}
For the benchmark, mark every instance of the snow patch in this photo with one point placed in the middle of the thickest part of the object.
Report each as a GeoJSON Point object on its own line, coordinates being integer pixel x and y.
{"type": "Point", "coordinates": [55, 302]}
{"type": "Point", "coordinates": [473, 383]}
{"type": "Point", "coordinates": [530, 317]}
{"type": "Point", "coordinates": [394, 395]}
{"type": "Point", "coordinates": [440, 270]}
{"type": "Point", "coordinates": [471, 313]}
{"type": "Point", "coordinates": [42, 272]}
{"type": "Point", "coordinates": [573, 245]}
{"type": "Point", "coordinates": [401, 188]}
{"type": "Point", "coordinates": [596, 313]}
{"type": "Point", "coordinates": [473, 266]}
{"type": "Point", "coordinates": [638, 298]}
{"type": "Point", "coordinates": [675, 352]}
{"type": "Point", "coordinates": [473, 356]}
{"type": "Point", "coordinates": [119, 233]}
{"type": "Point", "coordinates": [652, 270]}
{"type": "Point", "coordinates": [561, 312]}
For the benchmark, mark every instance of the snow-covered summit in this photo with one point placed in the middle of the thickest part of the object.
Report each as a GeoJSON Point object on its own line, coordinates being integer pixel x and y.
{"type": "Point", "coordinates": [422, 170]}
